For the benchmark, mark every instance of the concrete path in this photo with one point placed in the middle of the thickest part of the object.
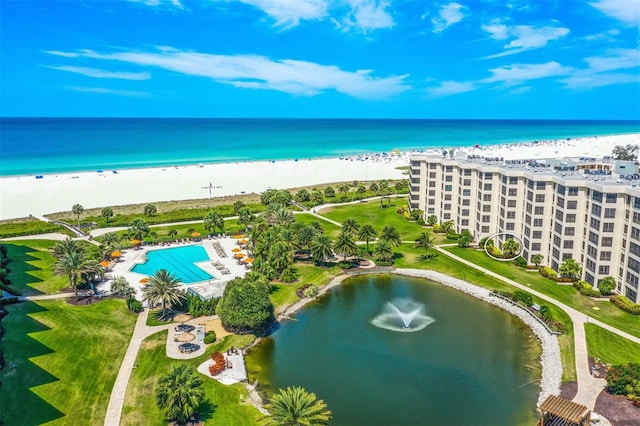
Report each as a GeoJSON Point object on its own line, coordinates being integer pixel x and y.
{"type": "Point", "coordinates": [589, 387]}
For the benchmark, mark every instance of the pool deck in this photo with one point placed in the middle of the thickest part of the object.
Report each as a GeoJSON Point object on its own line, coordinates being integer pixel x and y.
{"type": "Point", "coordinates": [206, 289]}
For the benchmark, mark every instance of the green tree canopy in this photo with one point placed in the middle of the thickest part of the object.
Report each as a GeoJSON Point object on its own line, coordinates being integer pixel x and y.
{"type": "Point", "coordinates": [570, 268]}
{"type": "Point", "coordinates": [164, 288]}
{"type": "Point", "coordinates": [139, 229]}
{"type": "Point", "coordinates": [150, 210]}
{"type": "Point", "coordinates": [607, 285]}
{"type": "Point", "coordinates": [78, 210]}
{"type": "Point", "coordinates": [107, 213]}
{"type": "Point", "coordinates": [321, 248]}
{"type": "Point", "coordinates": [367, 233]}
{"type": "Point", "coordinates": [295, 406]}
{"type": "Point", "coordinates": [391, 235]}
{"type": "Point", "coordinates": [179, 393]}
{"type": "Point", "coordinates": [245, 307]}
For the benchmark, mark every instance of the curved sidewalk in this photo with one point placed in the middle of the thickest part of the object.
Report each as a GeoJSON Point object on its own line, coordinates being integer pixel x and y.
{"type": "Point", "coordinates": [589, 387]}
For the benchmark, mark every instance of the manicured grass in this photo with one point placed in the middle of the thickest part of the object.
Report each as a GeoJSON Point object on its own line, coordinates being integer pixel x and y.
{"type": "Point", "coordinates": [284, 295]}
{"type": "Point", "coordinates": [30, 267]}
{"type": "Point", "coordinates": [221, 406]}
{"type": "Point", "coordinates": [606, 311]}
{"type": "Point", "coordinates": [62, 361]}
{"type": "Point", "coordinates": [330, 229]}
{"type": "Point", "coordinates": [610, 348]}
{"type": "Point", "coordinates": [29, 226]}
{"type": "Point", "coordinates": [370, 212]}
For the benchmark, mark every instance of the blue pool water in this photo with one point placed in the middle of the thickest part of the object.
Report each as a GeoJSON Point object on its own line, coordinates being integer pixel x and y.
{"type": "Point", "coordinates": [179, 261]}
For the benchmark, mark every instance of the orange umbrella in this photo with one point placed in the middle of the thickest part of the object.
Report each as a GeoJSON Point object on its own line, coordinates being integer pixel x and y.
{"type": "Point", "coordinates": [144, 280]}
{"type": "Point", "coordinates": [242, 241]}
{"type": "Point", "coordinates": [239, 255]}
{"type": "Point", "coordinates": [195, 234]}
{"type": "Point", "coordinates": [248, 259]}
{"type": "Point", "coordinates": [239, 236]}
{"type": "Point", "coordinates": [116, 253]}
{"type": "Point", "coordinates": [236, 250]}
{"type": "Point", "coordinates": [105, 263]}
{"type": "Point", "coordinates": [135, 242]}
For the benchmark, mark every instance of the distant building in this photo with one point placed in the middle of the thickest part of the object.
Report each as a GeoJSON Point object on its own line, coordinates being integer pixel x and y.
{"type": "Point", "coordinates": [583, 208]}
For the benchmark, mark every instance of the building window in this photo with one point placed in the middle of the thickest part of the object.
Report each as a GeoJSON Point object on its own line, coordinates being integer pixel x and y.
{"type": "Point", "coordinates": [572, 190]}
{"type": "Point", "coordinates": [511, 226]}
{"type": "Point", "coordinates": [448, 187]}
{"type": "Point", "coordinates": [607, 227]}
{"type": "Point", "coordinates": [607, 241]}
{"type": "Point", "coordinates": [465, 212]}
{"type": "Point", "coordinates": [448, 178]}
{"type": "Point", "coordinates": [560, 202]}
{"type": "Point", "coordinates": [605, 255]}
{"type": "Point", "coordinates": [538, 210]}
{"type": "Point", "coordinates": [466, 202]}
{"type": "Point", "coordinates": [466, 172]}
{"type": "Point", "coordinates": [447, 197]}
{"type": "Point", "coordinates": [567, 244]}
{"type": "Point", "coordinates": [596, 210]}
{"type": "Point", "coordinates": [609, 213]}
{"type": "Point", "coordinates": [511, 203]}
{"type": "Point", "coordinates": [431, 210]}
{"type": "Point", "coordinates": [539, 198]}
{"type": "Point", "coordinates": [432, 193]}
{"type": "Point", "coordinates": [572, 205]}
{"type": "Point", "coordinates": [569, 231]}
{"type": "Point", "coordinates": [485, 229]}
{"type": "Point", "coordinates": [511, 215]}
{"type": "Point", "coordinates": [537, 235]}
{"type": "Point", "coordinates": [513, 192]}
{"type": "Point", "coordinates": [537, 222]}
{"type": "Point", "coordinates": [446, 216]}
{"type": "Point", "coordinates": [593, 237]}
{"type": "Point", "coordinates": [597, 196]}
{"type": "Point", "coordinates": [535, 247]}
{"type": "Point", "coordinates": [432, 202]}
{"type": "Point", "coordinates": [603, 270]}
{"type": "Point", "coordinates": [570, 218]}
{"type": "Point", "coordinates": [464, 222]}
{"type": "Point", "coordinates": [486, 218]}
{"type": "Point", "coordinates": [595, 223]}
{"type": "Point", "coordinates": [486, 208]}
{"type": "Point", "coordinates": [611, 198]}
{"type": "Point", "coordinates": [541, 185]}
{"type": "Point", "coordinates": [558, 228]}
{"type": "Point", "coordinates": [466, 192]}
{"type": "Point", "coordinates": [432, 184]}
{"type": "Point", "coordinates": [486, 197]}
{"type": "Point", "coordinates": [447, 206]}
{"type": "Point", "coordinates": [432, 175]}
{"type": "Point", "coordinates": [487, 187]}
{"type": "Point", "coordinates": [466, 182]}
{"type": "Point", "coordinates": [592, 251]}
{"type": "Point", "coordinates": [513, 180]}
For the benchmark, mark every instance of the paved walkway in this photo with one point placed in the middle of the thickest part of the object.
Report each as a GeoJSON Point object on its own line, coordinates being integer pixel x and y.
{"type": "Point", "coordinates": [589, 387]}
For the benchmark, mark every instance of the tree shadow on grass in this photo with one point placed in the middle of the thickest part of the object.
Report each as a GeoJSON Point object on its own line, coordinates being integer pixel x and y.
{"type": "Point", "coordinates": [206, 410]}
{"type": "Point", "coordinates": [21, 279]}
{"type": "Point", "coordinates": [21, 376]}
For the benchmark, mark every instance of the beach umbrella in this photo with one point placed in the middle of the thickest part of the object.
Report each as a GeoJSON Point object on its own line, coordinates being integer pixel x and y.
{"type": "Point", "coordinates": [105, 263]}
{"type": "Point", "coordinates": [116, 253]}
{"type": "Point", "coordinates": [144, 280]}
{"type": "Point", "coordinates": [185, 337]}
{"type": "Point", "coordinates": [248, 260]}
{"type": "Point", "coordinates": [239, 255]}
{"type": "Point", "coordinates": [239, 236]}
{"type": "Point", "coordinates": [236, 250]}
{"type": "Point", "coordinates": [195, 234]}
{"type": "Point", "coordinates": [243, 241]}
{"type": "Point", "coordinates": [135, 242]}
{"type": "Point", "coordinates": [182, 317]}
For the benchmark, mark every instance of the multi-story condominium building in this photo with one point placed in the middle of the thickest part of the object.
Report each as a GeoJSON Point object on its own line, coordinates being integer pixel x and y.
{"type": "Point", "coordinates": [585, 209]}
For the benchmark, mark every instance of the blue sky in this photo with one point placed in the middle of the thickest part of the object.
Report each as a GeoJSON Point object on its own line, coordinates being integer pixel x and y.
{"type": "Point", "coordinates": [542, 59]}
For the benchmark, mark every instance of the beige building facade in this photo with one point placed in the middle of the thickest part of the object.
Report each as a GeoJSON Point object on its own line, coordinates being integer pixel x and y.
{"type": "Point", "coordinates": [560, 209]}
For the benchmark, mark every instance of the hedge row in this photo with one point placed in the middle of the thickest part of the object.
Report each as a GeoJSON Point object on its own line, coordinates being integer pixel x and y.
{"type": "Point", "coordinates": [626, 304]}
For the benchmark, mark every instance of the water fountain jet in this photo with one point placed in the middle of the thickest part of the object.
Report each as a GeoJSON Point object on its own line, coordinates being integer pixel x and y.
{"type": "Point", "coordinates": [404, 315]}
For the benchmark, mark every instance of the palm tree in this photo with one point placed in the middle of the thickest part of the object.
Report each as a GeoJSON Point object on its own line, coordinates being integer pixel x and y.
{"type": "Point", "coordinates": [321, 248]}
{"type": "Point", "coordinates": [510, 247]}
{"type": "Point", "coordinates": [344, 188]}
{"type": "Point", "coordinates": [570, 267]}
{"type": "Point", "coordinates": [239, 205]}
{"type": "Point", "coordinates": [150, 210]}
{"type": "Point", "coordinates": [65, 247]}
{"type": "Point", "coordinates": [432, 220]}
{"type": "Point", "coordinates": [119, 285]}
{"type": "Point", "coordinates": [361, 190]}
{"type": "Point", "coordinates": [305, 236]}
{"type": "Point", "coordinates": [537, 259]}
{"type": "Point", "coordinates": [214, 220]}
{"type": "Point", "coordinates": [367, 233]}
{"type": "Point", "coordinates": [107, 213]}
{"type": "Point", "coordinates": [383, 251]}
{"type": "Point", "coordinates": [72, 264]}
{"type": "Point", "coordinates": [391, 235]}
{"type": "Point", "coordinates": [350, 226]}
{"type": "Point", "coordinates": [279, 215]}
{"type": "Point", "coordinates": [78, 210]}
{"type": "Point", "coordinates": [138, 229]}
{"type": "Point", "coordinates": [245, 217]}
{"type": "Point", "coordinates": [172, 233]}
{"type": "Point", "coordinates": [345, 245]}
{"type": "Point", "coordinates": [180, 392]}
{"type": "Point", "coordinates": [110, 239]}
{"type": "Point", "coordinates": [295, 406]}
{"type": "Point", "coordinates": [163, 287]}
{"type": "Point", "coordinates": [446, 226]}
{"type": "Point", "coordinates": [425, 240]}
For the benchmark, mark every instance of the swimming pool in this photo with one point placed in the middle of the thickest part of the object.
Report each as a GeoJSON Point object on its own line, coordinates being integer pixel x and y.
{"type": "Point", "coordinates": [177, 260]}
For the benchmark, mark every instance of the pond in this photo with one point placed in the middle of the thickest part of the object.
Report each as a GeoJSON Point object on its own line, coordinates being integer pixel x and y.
{"type": "Point", "coordinates": [462, 361]}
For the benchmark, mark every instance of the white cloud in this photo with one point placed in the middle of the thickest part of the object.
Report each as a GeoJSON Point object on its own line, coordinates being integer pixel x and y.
{"type": "Point", "coordinates": [603, 70]}
{"type": "Point", "coordinates": [447, 88]}
{"type": "Point", "coordinates": [522, 37]}
{"type": "Point", "coordinates": [515, 74]}
{"type": "Point", "coordinates": [450, 14]}
{"type": "Point", "coordinates": [607, 35]}
{"type": "Point", "coordinates": [106, 91]}
{"type": "Point", "coordinates": [259, 72]}
{"type": "Point", "coordinates": [289, 13]}
{"type": "Point", "coordinates": [627, 11]}
{"type": "Point", "coordinates": [97, 73]}
{"type": "Point", "coordinates": [155, 3]}
{"type": "Point", "coordinates": [367, 15]}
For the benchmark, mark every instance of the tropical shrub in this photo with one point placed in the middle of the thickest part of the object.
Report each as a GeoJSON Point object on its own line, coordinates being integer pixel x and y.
{"type": "Point", "coordinates": [311, 291]}
{"type": "Point", "coordinates": [180, 393]}
{"type": "Point", "coordinates": [607, 285]}
{"type": "Point", "coordinates": [345, 264]}
{"type": "Point", "coordinates": [547, 272]}
{"type": "Point", "coordinates": [625, 304]}
{"type": "Point", "coordinates": [625, 380]}
{"type": "Point", "coordinates": [218, 365]}
{"type": "Point", "coordinates": [210, 337]}
{"type": "Point", "coordinates": [520, 261]}
{"type": "Point", "coordinates": [522, 296]}
{"type": "Point", "coordinates": [199, 307]}
{"type": "Point", "coordinates": [134, 305]}
{"type": "Point", "coordinates": [288, 275]}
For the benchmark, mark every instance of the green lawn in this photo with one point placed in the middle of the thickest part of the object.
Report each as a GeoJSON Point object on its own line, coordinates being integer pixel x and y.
{"type": "Point", "coordinates": [370, 212]}
{"type": "Point", "coordinates": [62, 361]}
{"type": "Point", "coordinates": [221, 406]}
{"type": "Point", "coordinates": [330, 229]}
{"type": "Point", "coordinates": [284, 295]}
{"type": "Point", "coordinates": [606, 311]}
{"type": "Point", "coordinates": [610, 348]}
{"type": "Point", "coordinates": [30, 267]}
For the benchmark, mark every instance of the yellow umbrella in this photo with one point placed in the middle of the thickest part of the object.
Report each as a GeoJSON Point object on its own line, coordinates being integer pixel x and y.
{"type": "Point", "coordinates": [116, 253]}
{"type": "Point", "coordinates": [248, 260]}
{"type": "Point", "coordinates": [243, 241]}
{"type": "Point", "coordinates": [239, 236]}
{"type": "Point", "coordinates": [135, 242]}
{"type": "Point", "coordinates": [195, 234]}
{"type": "Point", "coordinates": [239, 255]}
{"type": "Point", "coordinates": [105, 263]}
{"type": "Point", "coordinates": [144, 280]}
{"type": "Point", "coordinates": [236, 250]}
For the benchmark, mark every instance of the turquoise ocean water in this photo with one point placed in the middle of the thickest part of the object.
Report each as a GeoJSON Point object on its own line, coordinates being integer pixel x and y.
{"type": "Point", "coordinates": [56, 145]}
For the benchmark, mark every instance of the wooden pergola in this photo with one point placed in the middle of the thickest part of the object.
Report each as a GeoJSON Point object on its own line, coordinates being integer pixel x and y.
{"type": "Point", "coordinates": [557, 411]}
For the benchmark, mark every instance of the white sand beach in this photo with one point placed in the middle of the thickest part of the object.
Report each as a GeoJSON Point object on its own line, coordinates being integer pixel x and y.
{"type": "Point", "coordinates": [21, 196]}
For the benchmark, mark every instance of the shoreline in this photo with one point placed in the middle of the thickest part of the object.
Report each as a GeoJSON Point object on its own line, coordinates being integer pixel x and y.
{"type": "Point", "coordinates": [22, 196]}
{"type": "Point", "coordinates": [550, 360]}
